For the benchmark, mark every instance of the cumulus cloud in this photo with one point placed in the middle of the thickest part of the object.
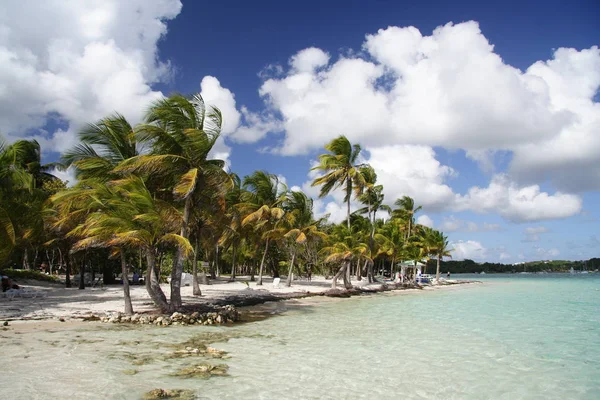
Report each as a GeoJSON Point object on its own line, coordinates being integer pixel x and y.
{"type": "Point", "coordinates": [425, 220]}
{"type": "Point", "coordinates": [412, 171]}
{"type": "Point", "coordinates": [72, 63]}
{"type": "Point", "coordinates": [518, 204]}
{"type": "Point", "coordinates": [448, 89]}
{"type": "Point", "coordinates": [432, 90]}
{"type": "Point", "coordinates": [468, 249]}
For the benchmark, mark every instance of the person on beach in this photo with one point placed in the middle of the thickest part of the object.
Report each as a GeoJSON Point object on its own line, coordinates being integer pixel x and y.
{"type": "Point", "coordinates": [136, 278]}
{"type": "Point", "coordinates": [448, 274]}
{"type": "Point", "coordinates": [309, 273]}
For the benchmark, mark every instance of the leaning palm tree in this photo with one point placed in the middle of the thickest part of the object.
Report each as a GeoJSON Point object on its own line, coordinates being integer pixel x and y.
{"type": "Point", "coordinates": [341, 170]}
{"type": "Point", "coordinates": [262, 199]}
{"type": "Point", "coordinates": [104, 145]}
{"type": "Point", "coordinates": [182, 133]}
{"type": "Point", "coordinates": [130, 217]}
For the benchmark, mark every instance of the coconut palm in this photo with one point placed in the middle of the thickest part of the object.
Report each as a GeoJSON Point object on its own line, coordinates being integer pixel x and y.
{"type": "Point", "coordinates": [344, 247]}
{"type": "Point", "coordinates": [233, 233]}
{"type": "Point", "coordinates": [104, 145]}
{"type": "Point", "coordinates": [130, 217]}
{"type": "Point", "coordinates": [435, 243]}
{"type": "Point", "coordinates": [406, 212]}
{"type": "Point", "coordinates": [262, 200]}
{"type": "Point", "coordinates": [341, 170]}
{"type": "Point", "coordinates": [301, 225]}
{"type": "Point", "coordinates": [182, 133]}
{"type": "Point", "coordinates": [391, 242]}
{"type": "Point", "coordinates": [373, 197]}
{"type": "Point", "coordinates": [22, 195]}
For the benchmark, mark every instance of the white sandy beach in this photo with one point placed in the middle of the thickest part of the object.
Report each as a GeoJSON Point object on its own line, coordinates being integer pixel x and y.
{"type": "Point", "coordinates": [61, 302]}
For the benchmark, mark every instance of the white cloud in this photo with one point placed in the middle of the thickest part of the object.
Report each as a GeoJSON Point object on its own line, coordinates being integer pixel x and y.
{"type": "Point", "coordinates": [77, 62]}
{"type": "Point", "coordinates": [425, 220]}
{"type": "Point", "coordinates": [532, 233]}
{"type": "Point", "coordinates": [454, 224]}
{"type": "Point", "coordinates": [432, 90]}
{"type": "Point", "coordinates": [308, 60]}
{"type": "Point", "coordinates": [518, 204]}
{"type": "Point", "coordinates": [67, 176]}
{"type": "Point", "coordinates": [468, 249]}
{"type": "Point", "coordinates": [412, 171]}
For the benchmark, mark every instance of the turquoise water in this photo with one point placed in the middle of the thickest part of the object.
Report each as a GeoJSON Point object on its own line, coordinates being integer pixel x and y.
{"type": "Point", "coordinates": [511, 337]}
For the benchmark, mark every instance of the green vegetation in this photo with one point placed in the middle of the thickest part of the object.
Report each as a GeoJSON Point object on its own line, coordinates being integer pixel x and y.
{"type": "Point", "coordinates": [150, 197]}
{"type": "Point", "coordinates": [470, 266]}
{"type": "Point", "coordinates": [20, 274]}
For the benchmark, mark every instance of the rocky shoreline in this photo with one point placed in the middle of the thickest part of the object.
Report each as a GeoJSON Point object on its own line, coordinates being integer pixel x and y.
{"type": "Point", "coordinates": [225, 310]}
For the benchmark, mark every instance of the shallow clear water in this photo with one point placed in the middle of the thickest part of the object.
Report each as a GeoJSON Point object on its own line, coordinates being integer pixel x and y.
{"type": "Point", "coordinates": [513, 337]}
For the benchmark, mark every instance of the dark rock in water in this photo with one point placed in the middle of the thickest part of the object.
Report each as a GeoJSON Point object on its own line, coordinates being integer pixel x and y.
{"type": "Point", "coordinates": [5, 323]}
{"type": "Point", "coordinates": [169, 394]}
{"type": "Point", "coordinates": [204, 370]}
{"type": "Point", "coordinates": [337, 293]}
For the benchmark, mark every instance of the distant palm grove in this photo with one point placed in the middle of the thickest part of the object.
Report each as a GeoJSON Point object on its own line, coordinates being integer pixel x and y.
{"type": "Point", "coordinates": [151, 198]}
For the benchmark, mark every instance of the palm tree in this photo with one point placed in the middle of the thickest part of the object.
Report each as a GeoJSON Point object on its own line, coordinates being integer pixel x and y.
{"type": "Point", "coordinates": [406, 212]}
{"type": "Point", "coordinates": [391, 242]}
{"type": "Point", "coordinates": [436, 244]}
{"type": "Point", "coordinates": [22, 195]}
{"type": "Point", "coordinates": [340, 170]}
{"type": "Point", "coordinates": [373, 197]}
{"type": "Point", "coordinates": [182, 132]}
{"type": "Point", "coordinates": [232, 234]}
{"type": "Point", "coordinates": [344, 247]}
{"type": "Point", "coordinates": [128, 216]}
{"type": "Point", "coordinates": [301, 225]}
{"type": "Point", "coordinates": [104, 145]}
{"type": "Point", "coordinates": [262, 199]}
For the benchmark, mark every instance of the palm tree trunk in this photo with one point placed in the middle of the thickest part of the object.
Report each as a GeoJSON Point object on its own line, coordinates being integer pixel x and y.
{"type": "Point", "coordinates": [348, 193]}
{"type": "Point", "coordinates": [126, 294]}
{"type": "Point", "coordinates": [196, 287]}
{"type": "Point", "coordinates": [68, 271]}
{"type": "Point", "coordinates": [437, 270]}
{"type": "Point", "coordinates": [217, 261]}
{"type": "Point", "coordinates": [347, 283]}
{"type": "Point", "coordinates": [291, 271]}
{"type": "Point", "coordinates": [82, 273]}
{"type": "Point", "coordinates": [337, 276]}
{"type": "Point", "coordinates": [359, 270]}
{"type": "Point", "coordinates": [262, 263]}
{"type": "Point", "coordinates": [152, 284]}
{"type": "Point", "coordinates": [392, 268]}
{"type": "Point", "coordinates": [234, 251]}
{"type": "Point", "coordinates": [25, 259]}
{"type": "Point", "coordinates": [180, 260]}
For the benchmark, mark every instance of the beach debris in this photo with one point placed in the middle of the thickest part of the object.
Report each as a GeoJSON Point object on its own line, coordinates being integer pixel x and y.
{"type": "Point", "coordinates": [5, 323]}
{"type": "Point", "coordinates": [203, 371]}
{"type": "Point", "coordinates": [169, 394]}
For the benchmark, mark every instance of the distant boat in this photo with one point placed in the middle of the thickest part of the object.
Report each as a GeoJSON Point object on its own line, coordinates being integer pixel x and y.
{"type": "Point", "coordinates": [584, 272]}
{"type": "Point", "coordinates": [571, 271]}
{"type": "Point", "coordinates": [482, 272]}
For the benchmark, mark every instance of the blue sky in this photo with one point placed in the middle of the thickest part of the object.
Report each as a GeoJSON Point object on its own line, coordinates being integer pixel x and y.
{"type": "Point", "coordinates": [486, 115]}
